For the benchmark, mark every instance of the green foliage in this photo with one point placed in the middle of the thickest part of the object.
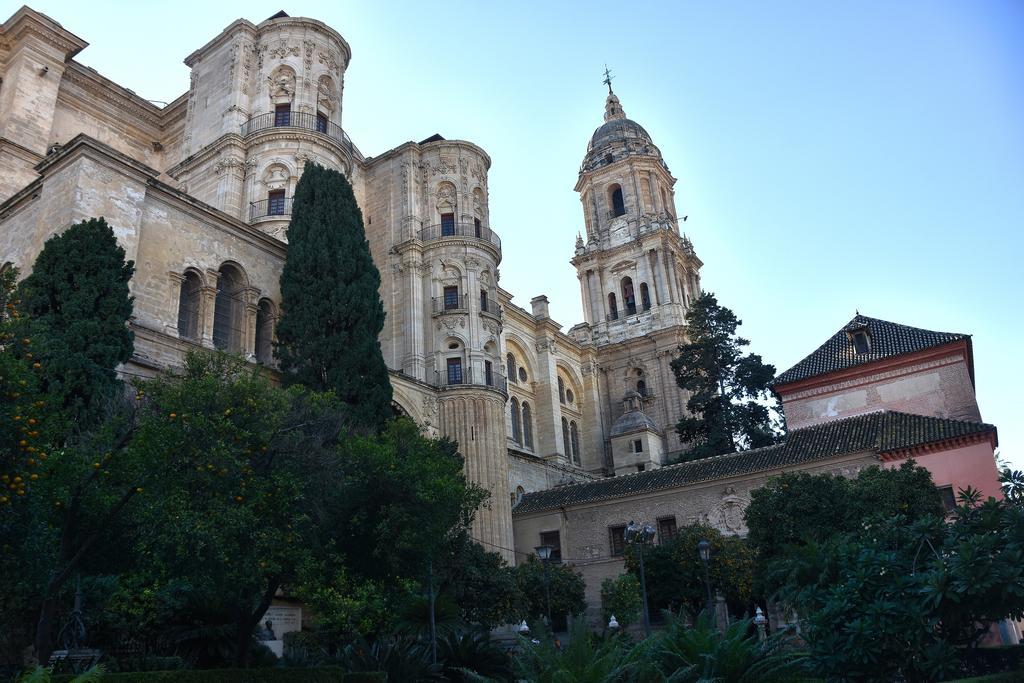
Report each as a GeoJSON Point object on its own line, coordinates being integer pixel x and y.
{"type": "Point", "coordinates": [729, 395]}
{"type": "Point", "coordinates": [908, 600]}
{"type": "Point", "coordinates": [78, 302]}
{"type": "Point", "coordinates": [621, 598]}
{"type": "Point", "coordinates": [400, 659]}
{"type": "Point", "coordinates": [702, 653]}
{"type": "Point", "coordinates": [680, 653]}
{"type": "Point", "coordinates": [480, 583]}
{"type": "Point", "coordinates": [567, 589]}
{"type": "Point", "coordinates": [1012, 484]}
{"type": "Point", "coordinates": [794, 509]}
{"type": "Point", "coordinates": [237, 517]}
{"type": "Point", "coordinates": [675, 573]}
{"type": "Point", "coordinates": [317, 675]}
{"type": "Point", "coordinates": [473, 656]}
{"type": "Point", "coordinates": [42, 675]}
{"type": "Point", "coordinates": [328, 333]}
{"type": "Point", "coordinates": [584, 659]}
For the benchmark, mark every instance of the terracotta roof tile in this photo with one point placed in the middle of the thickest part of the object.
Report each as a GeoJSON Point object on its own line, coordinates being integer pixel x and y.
{"type": "Point", "coordinates": [878, 432]}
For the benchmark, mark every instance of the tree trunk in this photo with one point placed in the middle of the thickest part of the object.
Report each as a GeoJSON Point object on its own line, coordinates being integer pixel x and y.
{"type": "Point", "coordinates": [246, 621]}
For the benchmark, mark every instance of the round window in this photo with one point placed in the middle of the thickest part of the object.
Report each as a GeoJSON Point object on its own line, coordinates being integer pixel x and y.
{"type": "Point", "coordinates": [568, 395]}
{"type": "Point", "coordinates": [522, 374]}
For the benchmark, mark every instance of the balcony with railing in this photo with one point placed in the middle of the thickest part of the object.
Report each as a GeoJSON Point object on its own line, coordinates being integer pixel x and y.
{"type": "Point", "coordinates": [454, 230]}
{"type": "Point", "coordinates": [489, 306]}
{"type": "Point", "coordinates": [297, 119]}
{"type": "Point", "coordinates": [275, 207]}
{"type": "Point", "coordinates": [458, 376]}
{"type": "Point", "coordinates": [450, 304]}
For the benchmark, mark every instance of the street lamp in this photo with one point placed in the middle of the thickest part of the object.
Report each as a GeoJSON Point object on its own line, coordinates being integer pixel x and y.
{"type": "Point", "coordinates": [544, 553]}
{"type": "Point", "coordinates": [613, 624]}
{"type": "Point", "coordinates": [704, 550]}
{"type": "Point", "coordinates": [523, 629]}
{"type": "Point", "coordinates": [760, 621]}
{"type": "Point", "coordinates": [639, 536]}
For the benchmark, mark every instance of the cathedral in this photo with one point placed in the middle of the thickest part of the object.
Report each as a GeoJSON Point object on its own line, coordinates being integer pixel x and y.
{"type": "Point", "coordinates": [569, 431]}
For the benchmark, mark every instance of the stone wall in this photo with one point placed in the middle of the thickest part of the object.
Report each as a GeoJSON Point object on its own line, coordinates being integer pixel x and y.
{"type": "Point", "coordinates": [584, 529]}
{"type": "Point", "coordinates": [934, 382]}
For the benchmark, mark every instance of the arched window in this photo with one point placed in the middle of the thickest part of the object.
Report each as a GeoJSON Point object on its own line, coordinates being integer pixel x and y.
{"type": "Point", "coordinates": [628, 297]}
{"type": "Point", "coordinates": [264, 332]}
{"type": "Point", "coordinates": [516, 420]}
{"type": "Point", "coordinates": [645, 296]}
{"type": "Point", "coordinates": [618, 205]}
{"type": "Point", "coordinates": [188, 306]}
{"type": "Point", "coordinates": [574, 438]}
{"type": "Point", "coordinates": [229, 309]}
{"type": "Point", "coordinates": [510, 367]}
{"type": "Point", "coordinates": [613, 309]}
{"type": "Point", "coordinates": [641, 387]}
{"type": "Point", "coordinates": [565, 438]}
{"type": "Point", "coordinates": [527, 425]}
{"type": "Point", "coordinates": [561, 390]}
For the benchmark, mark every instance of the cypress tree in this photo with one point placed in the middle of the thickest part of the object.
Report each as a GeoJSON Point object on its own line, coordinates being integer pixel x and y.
{"type": "Point", "coordinates": [729, 395]}
{"type": "Point", "coordinates": [332, 312]}
{"type": "Point", "coordinates": [78, 303]}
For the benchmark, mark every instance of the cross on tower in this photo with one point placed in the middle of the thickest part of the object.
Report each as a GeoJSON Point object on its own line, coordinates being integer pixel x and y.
{"type": "Point", "coordinates": [608, 79]}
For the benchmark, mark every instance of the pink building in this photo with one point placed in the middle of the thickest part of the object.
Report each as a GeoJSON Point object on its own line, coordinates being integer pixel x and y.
{"type": "Point", "coordinates": [873, 365]}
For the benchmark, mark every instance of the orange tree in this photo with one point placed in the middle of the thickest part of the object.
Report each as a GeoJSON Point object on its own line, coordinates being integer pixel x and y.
{"type": "Point", "coordinates": [233, 520]}
{"type": "Point", "coordinates": [675, 575]}
{"type": "Point", "coordinates": [63, 425]}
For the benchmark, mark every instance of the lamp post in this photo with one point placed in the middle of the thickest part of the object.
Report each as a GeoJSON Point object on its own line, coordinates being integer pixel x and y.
{"type": "Point", "coordinates": [704, 550]}
{"type": "Point", "coordinates": [760, 621]}
{"type": "Point", "coordinates": [613, 624]}
{"type": "Point", "coordinates": [640, 535]}
{"type": "Point", "coordinates": [544, 553]}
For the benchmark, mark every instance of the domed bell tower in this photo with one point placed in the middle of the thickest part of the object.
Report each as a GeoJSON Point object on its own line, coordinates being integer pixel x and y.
{"type": "Point", "coordinates": [638, 274]}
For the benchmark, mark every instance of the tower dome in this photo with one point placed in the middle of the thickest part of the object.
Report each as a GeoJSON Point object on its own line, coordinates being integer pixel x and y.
{"type": "Point", "coordinates": [618, 137]}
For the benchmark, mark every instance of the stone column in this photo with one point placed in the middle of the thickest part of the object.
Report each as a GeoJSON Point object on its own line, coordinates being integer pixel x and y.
{"type": "Point", "coordinates": [173, 303]}
{"type": "Point", "coordinates": [476, 420]}
{"type": "Point", "coordinates": [207, 308]}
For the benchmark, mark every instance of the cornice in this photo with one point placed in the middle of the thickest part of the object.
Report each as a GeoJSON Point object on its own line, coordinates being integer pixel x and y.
{"type": "Point", "coordinates": [83, 145]}
{"type": "Point", "coordinates": [940, 446]}
{"type": "Point", "coordinates": [17, 150]}
{"type": "Point", "coordinates": [124, 104]}
{"type": "Point", "coordinates": [27, 22]}
{"type": "Point", "coordinates": [207, 154]}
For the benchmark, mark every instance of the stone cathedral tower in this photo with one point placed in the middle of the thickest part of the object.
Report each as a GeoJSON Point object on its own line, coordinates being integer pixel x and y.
{"type": "Point", "coordinates": [637, 275]}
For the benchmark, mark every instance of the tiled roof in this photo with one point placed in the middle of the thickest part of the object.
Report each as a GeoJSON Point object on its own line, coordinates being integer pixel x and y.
{"type": "Point", "coordinates": [878, 432]}
{"type": "Point", "coordinates": [886, 340]}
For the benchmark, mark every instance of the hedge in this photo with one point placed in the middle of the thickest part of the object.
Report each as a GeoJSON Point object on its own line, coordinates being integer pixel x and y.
{"type": "Point", "coordinates": [319, 675]}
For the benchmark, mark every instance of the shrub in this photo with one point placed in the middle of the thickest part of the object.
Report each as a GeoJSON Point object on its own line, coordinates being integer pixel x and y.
{"type": "Point", "coordinates": [318, 675]}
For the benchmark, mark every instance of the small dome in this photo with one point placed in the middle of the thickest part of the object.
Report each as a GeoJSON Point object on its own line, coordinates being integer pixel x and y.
{"type": "Point", "coordinates": [618, 130]}
{"type": "Point", "coordinates": [633, 421]}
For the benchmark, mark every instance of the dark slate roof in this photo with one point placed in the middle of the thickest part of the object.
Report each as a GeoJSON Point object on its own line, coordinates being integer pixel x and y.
{"type": "Point", "coordinates": [887, 340]}
{"type": "Point", "coordinates": [878, 432]}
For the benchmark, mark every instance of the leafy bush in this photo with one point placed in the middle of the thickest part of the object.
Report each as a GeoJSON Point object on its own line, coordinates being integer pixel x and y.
{"type": "Point", "coordinates": [620, 597]}
{"type": "Point", "coordinates": [318, 675]}
{"type": "Point", "coordinates": [468, 656]}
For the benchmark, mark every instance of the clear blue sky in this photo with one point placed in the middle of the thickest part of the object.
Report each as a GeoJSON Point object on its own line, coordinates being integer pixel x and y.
{"type": "Point", "coordinates": [830, 156]}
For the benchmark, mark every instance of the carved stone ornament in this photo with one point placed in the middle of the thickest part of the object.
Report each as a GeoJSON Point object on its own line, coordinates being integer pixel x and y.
{"type": "Point", "coordinates": [282, 84]}
{"type": "Point", "coordinates": [450, 322]}
{"type": "Point", "coordinates": [479, 173]}
{"type": "Point", "coordinates": [546, 344]}
{"type": "Point", "coordinates": [429, 409]}
{"type": "Point", "coordinates": [463, 167]}
{"type": "Point", "coordinates": [331, 61]}
{"type": "Point", "coordinates": [229, 163]}
{"type": "Point", "coordinates": [282, 51]}
{"type": "Point", "coordinates": [445, 167]}
{"type": "Point", "coordinates": [307, 60]}
{"type": "Point", "coordinates": [588, 369]}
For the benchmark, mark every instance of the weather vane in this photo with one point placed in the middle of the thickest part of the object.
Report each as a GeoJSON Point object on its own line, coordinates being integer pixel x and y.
{"type": "Point", "coordinates": [608, 79]}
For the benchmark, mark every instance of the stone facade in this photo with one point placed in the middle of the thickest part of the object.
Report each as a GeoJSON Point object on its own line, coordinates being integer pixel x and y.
{"type": "Point", "coordinates": [198, 193]}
